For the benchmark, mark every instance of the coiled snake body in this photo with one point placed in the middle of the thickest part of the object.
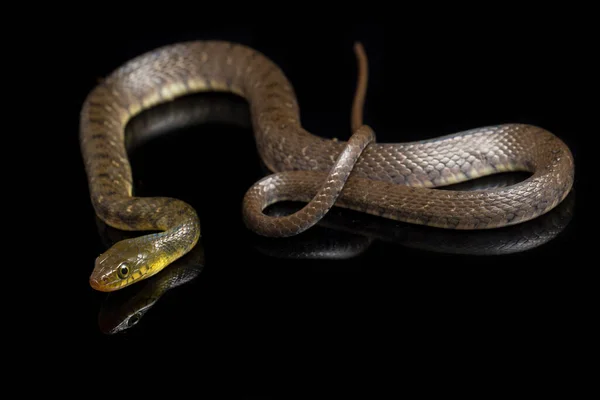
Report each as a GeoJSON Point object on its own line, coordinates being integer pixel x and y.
{"type": "Point", "coordinates": [393, 180]}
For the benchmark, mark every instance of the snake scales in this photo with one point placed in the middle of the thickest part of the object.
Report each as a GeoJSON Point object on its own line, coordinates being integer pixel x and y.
{"type": "Point", "coordinates": [393, 180]}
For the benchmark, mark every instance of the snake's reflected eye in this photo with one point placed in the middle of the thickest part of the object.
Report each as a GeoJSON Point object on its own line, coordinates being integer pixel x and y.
{"type": "Point", "coordinates": [123, 270]}
{"type": "Point", "coordinates": [135, 318]}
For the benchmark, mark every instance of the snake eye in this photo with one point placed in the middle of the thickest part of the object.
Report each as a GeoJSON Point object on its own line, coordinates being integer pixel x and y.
{"type": "Point", "coordinates": [123, 270]}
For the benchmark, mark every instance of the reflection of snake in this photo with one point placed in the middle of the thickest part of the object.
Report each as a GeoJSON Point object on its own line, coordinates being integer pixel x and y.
{"type": "Point", "coordinates": [390, 180]}
{"type": "Point", "coordinates": [344, 234]}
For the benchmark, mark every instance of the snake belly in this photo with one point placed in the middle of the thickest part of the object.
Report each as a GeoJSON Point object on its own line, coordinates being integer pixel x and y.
{"type": "Point", "coordinates": [393, 180]}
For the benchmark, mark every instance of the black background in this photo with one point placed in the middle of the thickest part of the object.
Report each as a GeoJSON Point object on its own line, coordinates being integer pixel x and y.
{"type": "Point", "coordinates": [425, 80]}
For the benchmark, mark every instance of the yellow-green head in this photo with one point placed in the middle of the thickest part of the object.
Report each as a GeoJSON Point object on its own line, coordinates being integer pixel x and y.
{"type": "Point", "coordinates": [125, 263]}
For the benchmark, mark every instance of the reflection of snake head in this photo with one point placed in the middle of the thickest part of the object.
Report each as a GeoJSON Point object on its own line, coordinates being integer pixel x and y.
{"type": "Point", "coordinates": [123, 264]}
{"type": "Point", "coordinates": [123, 309]}
{"type": "Point", "coordinates": [111, 325]}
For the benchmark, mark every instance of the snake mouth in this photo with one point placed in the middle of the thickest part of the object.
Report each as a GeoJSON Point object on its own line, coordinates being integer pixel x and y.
{"type": "Point", "coordinates": [96, 284]}
{"type": "Point", "coordinates": [100, 284]}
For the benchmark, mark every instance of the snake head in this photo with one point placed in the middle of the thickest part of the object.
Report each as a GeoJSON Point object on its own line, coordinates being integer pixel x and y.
{"type": "Point", "coordinates": [123, 264]}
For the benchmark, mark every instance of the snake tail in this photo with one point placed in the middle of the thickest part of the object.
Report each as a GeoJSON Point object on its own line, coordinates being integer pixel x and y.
{"type": "Point", "coordinates": [265, 192]}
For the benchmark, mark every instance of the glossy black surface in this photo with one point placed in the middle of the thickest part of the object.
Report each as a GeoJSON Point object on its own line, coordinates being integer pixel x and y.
{"type": "Point", "coordinates": [248, 299]}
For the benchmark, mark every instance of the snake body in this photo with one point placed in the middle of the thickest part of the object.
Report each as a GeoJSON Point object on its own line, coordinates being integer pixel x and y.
{"type": "Point", "coordinates": [393, 180]}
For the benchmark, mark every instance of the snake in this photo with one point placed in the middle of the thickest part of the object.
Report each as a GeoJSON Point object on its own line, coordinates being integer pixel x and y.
{"type": "Point", "coordinates": [397, 181]}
